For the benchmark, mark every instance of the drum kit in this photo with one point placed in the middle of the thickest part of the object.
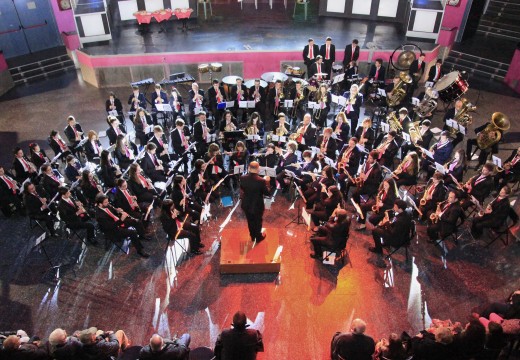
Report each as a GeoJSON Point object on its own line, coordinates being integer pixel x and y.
{"type": "Point", "coordinates": [211, 68]}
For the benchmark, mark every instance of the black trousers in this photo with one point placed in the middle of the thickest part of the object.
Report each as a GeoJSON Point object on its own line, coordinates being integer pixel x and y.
{"type": "Point", "coordinates": [254, 223]}
{"type": "Point", "coordinates": [77, 225]}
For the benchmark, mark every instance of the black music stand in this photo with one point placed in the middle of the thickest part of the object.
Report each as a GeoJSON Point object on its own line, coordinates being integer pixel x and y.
{"type": "Point", "coordinates": [298, 219]}
{"type": "Point", "coordinates": [53, 268]}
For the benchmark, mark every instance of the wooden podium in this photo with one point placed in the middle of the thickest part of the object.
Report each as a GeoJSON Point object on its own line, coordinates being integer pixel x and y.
{"type": "Point", "coordinates": [238, 256]}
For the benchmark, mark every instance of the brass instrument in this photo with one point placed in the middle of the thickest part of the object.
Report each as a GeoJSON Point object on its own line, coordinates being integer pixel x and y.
{"type": "Point", "coordinates": [251, 130]}
{"type": "Point", "coordinates": [428, 104]}
{"type": "Point", "coordinates": [279, 97]}
{"type": "Point", "coordinates": [394, 122]}
{"type": "Point", "coordinates": [415, 132]}
{"type": "Point", "coordinates": [322, 100]}
{"type": "Point", "coordinates": [281, 131]}
{"type": "Point", "coordinates": [343, 163]}
{"type": "Point", "coordinates": [227, 127]}
{"type": "Point", "coordinates": [379, 202]}
{"type": "Point", "coordinates": [299, 97]}
{"type": "Point", "coordinates": [494, 131]}
{"type": "Point", "coordinates": [488, 208]}
{"type": "Point", "coordinates": [399, 92]}
{"type": "Point", "coordinates": [463, 118]}
{"type": "Point", "coordinates": [434, 217]}
{"type": "Point", "coordinates": [386, 219]}
{"type": "Point", "coordinates": [424, 199]}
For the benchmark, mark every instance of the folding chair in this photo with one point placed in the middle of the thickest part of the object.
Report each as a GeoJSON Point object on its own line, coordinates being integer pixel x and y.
{"type": "Point", "coordinates": [338, 254]}
{"type": "Point", "coordinates": [114, 239]}
{"type": "Point", "coordinates": [503, 231]}
{"type": "Point", "coordinates": [455, 235]}
{"type": "Point", "coordinates": [406, 244]}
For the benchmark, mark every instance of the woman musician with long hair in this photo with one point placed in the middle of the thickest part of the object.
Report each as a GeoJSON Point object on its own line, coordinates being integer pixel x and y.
{"type": "Point", "coordinates": [199, 183]}
{"type": "Point", "coordinates": [254, 126]}
{"type": "Point", "coordinates": [455, 167]}
{"type": "Point", "coordinates": [140, 185]}
{"type": "Point", "coordinates": [227, 124]}
{"type": "Point", "coordinates": [142, 120]}
{"type": "Point", "coordinates": [124, 154]}
{"type": "Point", "coordinates": [312, 193]}
{"type": "Point", "coordinates": [215, 165]}
{"type": "Point", "coordinates": [108, 170]}
{"type": "Point", "coordinates": [341, 129]}
{"type": "Point", "coordinates": [434, 193]}
{"type": "Point", "coordinates": [348, 164]}
{"type": "Point", "coordinates": [330, 199]}
{"type": "Point", "coordinates": [407, 171]}
{"type": "Point", "coordinates": [323, 98]}
{"type": "Point", "coordinates": [384, 200]}
{"type": "Point", "coordinates": [353, 105]}
{"type": "Point", "coordinates": [238, 157]}
{"type": "Point", "coordinates": [286, 159]}
{"type": "Point", "coordinates": [494, 214]}
{"type": "Point", "coordinates": [182, 199]}
{"type": "Point", "coordinates": [90, 187]}
{"type": "Point", "coordinates": [176, 228]}
{"type": "Point", "coordinates": [365, 134]}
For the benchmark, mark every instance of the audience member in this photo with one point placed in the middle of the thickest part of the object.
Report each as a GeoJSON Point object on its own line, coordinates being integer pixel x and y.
{"type": "Point", "coordinates": [354, 345]}
{"type": "Point", "coordinates": [238, 343]}
{"type": "Point", "coordinates": [160, 349]}
{"type": "Point", "coordinates": [101, 345]}
{"type": "Point", "coordinates": [63, 347]}
{"type": "Point", "coordinates": [427, 346]}
{"type": "Point", "coordinates": [390, 349]}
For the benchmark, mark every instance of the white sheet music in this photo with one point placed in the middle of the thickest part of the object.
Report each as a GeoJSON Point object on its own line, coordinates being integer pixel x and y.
{"type": "Point", "coordinates": [163, 107]}
{"type": "Point", "coordinates": [342, 101]}
{"type": "Point", "coordinates": [496, 160]}
{"type": "Point", "coordinates": [253, 137]}
{"type": "Point", "coordinates": [334, 98]}
{"type": "Point", "coordinates": [239, 169]}
{"type": "Point", "coordinates": [211, 137]}
{"type": "Point", "coordinates": [242, 104]}
{"type": "Point", "coordinates": [251, 104]}
{"type": "Point", "coordinates": [279, 138]}
{"type": "Point", "coordinates": [381, 92]}
{"type": "Point", "coordinates": [288, 103]}
{"type": "Point", "coordinates": [385, 127]}
{"type": "Point", "coordinates": [406, 137]}
{"type": "Point", "coordinates": [263, 171]}
{"type": "Point", "coordinates": [440, 168]}
{"type": "Point", "coordinates": [311, 104]}
{"type": "Point", "coordinates": [113, 112]}
{"type": "Point", "coordinates": [230, 104]}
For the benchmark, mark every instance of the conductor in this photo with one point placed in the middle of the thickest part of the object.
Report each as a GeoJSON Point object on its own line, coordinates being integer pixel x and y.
{"type": "Point", "coordinates": [252, 191]}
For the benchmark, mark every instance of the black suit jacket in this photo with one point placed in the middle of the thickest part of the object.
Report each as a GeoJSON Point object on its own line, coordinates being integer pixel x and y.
{"type": "Point", "coordinates": [142, 101]}
{"type": "Point", "coordinates": [313, 69]}
{"type": "Point", "coordinates": [310, 135]}
{"type": "Point", "coordinates": [112, 135]}
{"type": "Point", "coordinates": [50, 185]}
{"type": "Point", "coordinates": [369, 135]}
{"type": "Point", "coordinates": [348, 55]}
{"type": "Point", "coordinates": [212, 97]}
{"type": "Point", "coordinates": [426, 139]}
{"type": "Point", "coordinates": [305, 54]}
{"type": "Point", "coordinates": [237, 344]}
{"type": "Point", "coordinates": [21, 174]}
{"type": "Point", "coordinates": [355, 107]}
{"type": "Point", "coordinates": [371, 184]}
{"type": "Point", "coordinates": [40, 159]}
{"type": "Point", "coordinates": [148, 167]}
{"type": "Point", "coordinates": [331, 147]}
{"type": "Point", "coordinates": [352, 346]}
{"type": "Point", "coordinates": [163, 96]}
{"type": "Point", "coordinates": [177, 140]}
{"type": "Point", "coordinates": [192, 103]}
{"type": "Point", "coordinates": [448, 220]}
{"type": "Point", "coordinates": [144, 195]}
{"type": "Point", "coordinates": [118, 105]}
{"type": "Point", "coordinates": [172, 350]}
{"type": "Point", "coordinates": [344, 135]}
{"type": "Point", "coordinates": [398, 231]}
{"type": "Point", "coordinates": [234, 94]}
{"type": "Point", "coordinates": [261, 91]}
{"type": "Point", "coordinates": [372, 73]}
{"type": "Point", "coordinates": [482, 190]}
{"type": "Point", "coordinates": [107, 224]}
{"type": "Point", "coordinates": [33, 205]}
{"type": "Point", "coordinates": [68, 211]}
{"type": "Point", "coordinates": [90, 152]}
{"type": "Point", "coordinates": [353, 160]}
{"type": "Point", "coordinates": [253, 188]}
{"type": "Point", "coordinates": [414, 68]}
{"type": "Point", "coordinates": [198, 131]}
{"type": "Point", "coordinates": [71, 136]}
{"type": "Point", "coordinates": [432, 71]}
{"type": "Point", "coordinates": [332, 52]}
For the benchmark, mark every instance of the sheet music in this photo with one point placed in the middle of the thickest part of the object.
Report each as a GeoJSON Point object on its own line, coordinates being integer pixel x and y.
{"type": "Point", "coordinates": [440, 168]}
{"type": "Point", "coordinates": [253, 137]}
{"type": "Point", "coordinates": [288, 103]}
{"type": "Point", "coordinates": [342, 101]}
{"type": "Point", "coordinates": [311, 104]}
{"type": "Point", "coordinates": [211, 137]}
{"type": "Point", "coordinates": [113, 112]}
{"type": "Point", "coordinates": [267, 171]}
{"type": "Point", "coordinates": [496, 160]}
{"type": "Point", "coordinates": [238, 169]}
{"type": "Point", "coordinates": [338, 78]}
{"type": "Point", "coordinates": [251, 104]}
{"type": "Point", "coordinates": [381, 92]}
{"type": "Point", "coordinates": [385, 127]}
{"type": "Point", "coordinates": [230, 104]}
{"type": "Point", "coordinates": [242, 104]}
{"type": "Point", "coordinates": [427, 153]}
{"type": "Point", "coordinates": [279, 138]}
{"type": "Point", "coordinates": [406, 137]}
{"type": "Point", "coordinates": [334, 98]}
{"type": "Point", "coordinates": [163, 107]}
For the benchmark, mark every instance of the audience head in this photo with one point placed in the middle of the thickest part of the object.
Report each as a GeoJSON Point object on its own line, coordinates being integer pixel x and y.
{"type": "Point", "coordinates": [156, 343]}
{"type": "Point", "coordinates": [239, 320]}
{"type": "Point", "coordinates": [358, 326]}
{"type": "Point", "coordinates": [58, 337]}
{"type": "Point", "coordinates": [88, 336]}
{"type": "Point", "coordinates": [443, 335]}
{"type": "Point", "coordinates": [12, 342]}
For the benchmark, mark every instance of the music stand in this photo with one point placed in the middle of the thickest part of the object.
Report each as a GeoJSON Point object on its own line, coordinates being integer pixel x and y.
{"type": "Point", "coordinates": [298, 219]}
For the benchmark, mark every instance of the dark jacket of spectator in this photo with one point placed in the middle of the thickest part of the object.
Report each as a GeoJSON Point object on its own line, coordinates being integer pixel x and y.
{"type": "Point", "coordinates": [352, 346]}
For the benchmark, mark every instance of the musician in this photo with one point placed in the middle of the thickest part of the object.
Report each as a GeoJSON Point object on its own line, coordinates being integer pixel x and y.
{"type": "Point", "coordinates": [351, 53]}
{"type": "Point", "coordinates": [304, 170]}
{"type": "Point", "coordinates": [197, 102]}
{"type": "Point", "coordinates": [285, 160]}
{"type": "Point", "coordinates": [176, 104]}
{"type": "Point", "coordinates": [74, 215]}
{"type": "Point", "coordinates": [327, 144]}
{"type": "Point", "coordinates": [93, 147]}
{"type": "Point", "coordinates": [313, 190]}
{"type": "Point", "coordinates": [9, 194]}
{"type": "Point", "coordinates": [136, 100]}
{"type": "Point", "coordinates": [158, 97]}
{"type": "Point", "coordinates": [407, 171]}
{"type": "Point", "coordinates": [198, 183]}
{"type": "Point", "coordinates": [142, 121]}
{"type": "Point", "coordinates": [404, 120]}
{"type": "Point", "coordinates": [310, 52]}
{"type": "Point", "coordinates": [116, 128]}
{"type": "Point", "coordinates": [252, 191]}
{"type": "Point", "coordinates": [479, 186]}
{"type": "Point", "coordinates": [89, 186]}
{"type": "Point", "coordinates": [328, 52]}
{"type": "Point", "coordinates": [353, 106]}
{"type": "Point", "coordinates": [395, 232]}
{"type": "Point", "coordinates": [330, 199]}
{"type": "Point", "coordinates": [152, 166]}
{"type": "Point", "coordinates": [37, 206]}
{"type": "Point", "coordinates": [351, 70]}
{"type": "Point", "coordinates": [276, 98]}
{"type": "Point", "coordinates": [74, 133]}
{"type": "Point", "coordinates": [123, 153]}
{"type": "Point", "coordinates": [23, 168]}
{"type": "Point", "coordinates": [159, 139]}
{"type": "Point", "coordinates": [452, 114]}
{"type": "Point", "coordinates": [324, 98]}
{"type": "Point", "coordinates": [113, 103]}
{"type": "Point", "coordinates": [175, 228]}
{"type": "Point", "coordinates": [258, 94]}
{"type": "Point", "coordinates": [416, 71]}
{"type": "Point", "coordinates": [239, 93]}
{"type": "Point", "coordinates": [434, 193]}
{"type": "Point", "coordinates": [455, 167]}
{"type": "Point", "coordinates": [201, 129]}
{"type": "Point", "coordinates": [38, 156]}
{"type": "Point", "coordinates": [441, 153]}
{"type": "Point", "coordinates": [108, 171]}
{"type": "Point", "coordinates": [117, 223]}
{"type": "Point", "coordinates": [180, 137]}
{"type": "Point", "coordinates": [58, 145]}
{"type": "Point", "coordinates": [341, 129]}
{"type": "Point", "coordinates": [384, 200]}
{"type": "Point", "coordinates": [510, 170]}
{"type": "Point", "coordinates": [436, 71]}
{"type": "Point", "coordinates": [494, 215]}
{"type": "Point", "coordinates": [370, 177]}
{"type": "Point", "coordinates": [297, 95]}
{"type": "Point", "coordinates": [215, 169]}
{"type": "Point", "coordinates": [484, 153]}
{"type": "Point", "coordinates": [182, 200]}
{"type": "Point", "coordinates": [388, 149]}
{"type": "Point", "coordinates": [448, 214]}
{"type": "Point", "coordinates": [306, 133]}
{"type": "Point", "coordinates": [228, 124]}
{"type": "Point", "coordinates": [72, 169]}
{"type": "Point", "coordinates": [348, 162]}
{"type": "Point", "coordinates": [332, 234]}
{"type": "Point", "coordinates": [424, 140]}
{"type": "Point", "coordinates": [281, 128]}
{"type": "Point", "coordinates": [126, 200]}
{"type": "Point", "coordinates": [317, 70]}
{"type": "Point", "coordinates": [49, 180]}
{"type": "Point", "coordinates": [216, 95]}
{"type": "Point", "coordinates": [377, 72]}
{"type": "Point", "coordinates": [365, 134]}
{"type": "Point", "coordinates": [140, 186]}
{"type": "Point", "coordinates": [240, 155]}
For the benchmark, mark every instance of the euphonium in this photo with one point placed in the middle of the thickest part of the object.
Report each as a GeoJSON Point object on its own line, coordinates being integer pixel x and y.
{"type": "Point", "coordinates": [494, 131]}
{"type": "Point", "coordinates": [415, 132]}
{"type": "Point", "coordinates": [399, 92]}
{"type": "Point", "coordinates": [463, 118]}
{"type": "Point", "coordinates": [393, 122]}
{"type": "Point", "coordinates": [428, 104]}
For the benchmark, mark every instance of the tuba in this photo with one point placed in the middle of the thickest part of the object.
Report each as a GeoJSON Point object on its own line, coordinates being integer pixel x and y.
{"type": "Point", "coordinates": [463, 118]}
{"type": "Point", "coordinates": [494, 131]}
{"type": "Point", "coordinates": [428, 104]}
{"type": "Point", "coordinates": [399, 92]}
{"type": "Point", "coordinates": [415, 132]}
{"type": "Point", "coordinates": [393, 122]}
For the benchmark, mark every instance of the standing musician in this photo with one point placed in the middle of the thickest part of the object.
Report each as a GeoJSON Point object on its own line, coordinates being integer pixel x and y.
{"type": "Point", "coordinates": [252, 191]}
{"type": "Point", "coordinates": [49, 180]}
{"type": "Point", "coordinates": [177, 104]}
{"type": "Point", "coordinates": [332, 234]}
{"type": "Point", "coordinates": [330, 199]}
{"type": "Point", "coordinates": [37, 206]}
{"type": "Point", "coordinates": [58, 145]}
{"type": "Point", "coordinates": [310, 52]}
{"type": "Point", "coordinates": [328, 52]}
{"type": "Point", "coordinates": [216, 95]}
{"type": "Point", "coordinates": [317, 70]}
{"type": "Point", "coordinates": [257, 93]}
{"type": "Point", "coordinates": [38, 156]}
{"type": "Point", "coordinates": [239, 93]}
{"type": "Point", "coordinates": [341, 129]}
{"type": "Point", "coordinates": [297, 95]}
{"type": "Point", "coordinates": [285, 160]}
{"type": "Point", "coordinates": [276, 98]}
{"type": "Point", "coordinates": [118, 223]}
{"type": "Point", "coordinates": [9, 194]}
{"type": "Point", "coordinates": [140, 186]}
{"type": "Point", "coordinates": [23, 167]}
{"type": "Point", "coordinates": [113, 103]}
{"type": "Point", "coordinates": [124, 154]}
{"type": "Point", "coordinates": [254, 126]}
{"type": "Point", "coordinates": [73, 213]}
{"type": "Point", "coordinates": [351, 53]}
{"type": "Point", "coordinates": [201, 129]}
{"type": "Point", "coordinates": [136, 100]}
{"type": "Point", "coordinates": [416, 71]}
{"type": "Point", "coordinates": [228, 124]}
{"type": "Point", "coordinates": [384, 200]}
{"type": "Point", "coordinates": [180, 137]}
{"type": "Point", "coordinates": [182, 199]}
{"type": "Point", "coordinates": [369, 178]}
{"type": "Point", "coordinates": [353, 106]}
{"type": "Point", "coordinates": [141, 121]}
{"type": "Point", "coordinates": [494, 215]}
{"type": "Point", "coordinates": [152, 166]}
{"type": "Point", "coordinates": [388, 149]}
{"type": "Point", "coordinates": [171, 221]}
{"type": "Point", "coordinates": [93, 147]}
{"type": "Point", "coordinates": [238, 157]}
{"type": "Point", "coordinates": [407, 171]}
{"type": "Point", "coordinates": [158, 97]}
{"type": "Point", "coordinates": [89, 186]}
{"type": "Point", "coordinates": [441, 153]}
{"type": "Point", "coordinates": [348, 162]}
{"type": "Point", "coordinates": [323, 98]}
{"type": "Point", "coordinates": [365, 134]}
{"type": "Point", "coordinates": [479, 186]}
{"type": "Point", "coordinates": [394, 232]}
{"type": "Point", "coordinates": [327, 144]}
{"type": "Point", "coordinates": [434, 193]}
{"type": "Point", "coordinates": [306, 133]}
{"type": "Point", "coordinates": [197, 102]}
{"type": "Point", "coordinates": [74, 133]}
{"type": "Point", "coordinates": [455, 167]}
{"type": "Point", "coordinates": [445, 218]}
{"type": "Point", "coordinates": [436, 71]}
{"type": "Point", "coordinates": [159, 139]}
{"type": "Point", "coordinates": [510, 170]}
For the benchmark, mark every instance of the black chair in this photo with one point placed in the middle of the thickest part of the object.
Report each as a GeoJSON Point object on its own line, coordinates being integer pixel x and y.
{"type": "Point", "coordinates": [202, 353]}
{"type": "Point", "coordinates": [341, 252]}
{"type": "Point", "coordinates": [455, 235]}
{"type": "Point", "coordinates": [503, 231]}
{"type": "Point", "coordinates": [130, 353]}
{"type": "Point", "coordinates": [406, 244]}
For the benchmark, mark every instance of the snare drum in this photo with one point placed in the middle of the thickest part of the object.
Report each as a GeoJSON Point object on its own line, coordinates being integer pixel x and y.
{"type": "Point", "coordinates": [216, 67]}
{"type": "Point", "coordinates": [203, 68]}
{"type": "Point", "coordinates": [451, 86]}
{"type": "Point", "coordinates": [296, 71]}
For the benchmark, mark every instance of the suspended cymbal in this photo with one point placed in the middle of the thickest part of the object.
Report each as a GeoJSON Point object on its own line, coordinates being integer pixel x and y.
{"type": "Point", "coordinates": [251, 83]}
{"type": "Point", "coordinates": [405, 59]}
{"type": "Point", "coordinates": [273, 76]}
{"type": "Point", "coordinates": [231, 79]}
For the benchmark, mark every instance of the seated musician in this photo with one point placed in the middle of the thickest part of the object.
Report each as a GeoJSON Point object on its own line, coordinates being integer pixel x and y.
{"type": "Point", "coordinates": [9, 194]}
{"type": "Point", "coordinates": [73, 213]}
{"type": "Point", "coordinates": [124, 154]}
{"type": "Point", "coordinates": [23, 167]}
{"type": "Point", "coordinates": [183, 200]}
{"type": "Point", "coordinates": [404, 120]}
{"type": "Point", "coordinates": [445, 218]}
{"type": "Point", "coordinates": [365, 134]}
{"type": "Point", "coordinates": [108, 171]}
{"type": "Point", "coordinates": [452, 113]}
{"type": "Point", "coordinates": [383, 201]}
{"type": "Point", "coordinates": [238, 157]}
{"type": "Point", "coordinates": [116, 223]}
{"type": "Point", "coordinates": [136, 100]}
{"type": "Point", "coordinates": [159, 139]}
{"type": "Point", "coordinates": [424, 141]}
{"type": "Point", "coordinates": [332, 235]}
{"type": "Point", "coordinates": [510, 172]}
{"type": "Point", "coordinates": [177, 104]}
{"type": "Point", "coordinates": [115, 128]}
{"type": "Point", "coordinates": [455, 167]}
{"type": "Point", "coordinates": [38, 156]}
{"type": "Point", "coordinates": [348, 162]}
{"type": "Point", "coordinates": [199, 183]}
{"type": "Point", "coordinates": [89, 186]}
{"type": "Point", "coordinates": [407, 171]}
{"type": "Point", "coordinates": [175, 228]}
{"type": "Point", "coordinates": [141, 121]}
{"type": "Point", "coordinates": [392, 232]}
{"type": "Point", "coordinates": [216, 95]}
{"type": "Point", "coordinates": [58, 145]}
{"type": "Point", "coordinates": [140, 185]}
{"type": "Point", "coordinates": [298, 96]}
{"type": "Point", "coordinates": [479, 186]}
{"type": "Point", "coordinates": [327, 144]}
{"type": "Point", "coordinates": [369, 178]}
{"type": "Point", "coordinates": [494, 215]}
{"type": "Point", "coordinates": [49, 180]}
{"type": "Point", "coordinates": [281, 128]}
{"type": "Point", "coordinates": [158, 97]}
{"type": "Point", "coordinates": [197, 102]}
{"type": "Point", "coordinates": [306, 133]}
{"type": "Point", "coordinates": [376, 75]}
{"type": "Point", "coordinates": [353, 106]}
{"type": "Point", "coordinates": [441, 153]}
{"type": "Point", "coordinates": [152, 166]}
{"type": "Point", "coordinates": [74, 133]}
{"type": "Point", "coordinates": [215, 169]}
{"type": "Point", "coordinates": [313, 190]}
{"type": "Point", "coordinates": [125, 199]}
{"type": "Point", "coordinates": [323, 98]}
{"type": "Point", "coordinates": [37, 204]}
{"type": "Point", "coordinates": [113, 103]}
{"type": "Point", "coordinates": [434, 193]}
{"type": "Point", "coordinates": [254, 126]}
{"type": "Point", "coordinates": [388, 149]}
{"type": "Point", "coordinates": [330, 199]}
{"type": "Point", "coordinates": [484, 153]}
{"type": "Point", "coordinates": [341, 129]}
{"type": "Point", "coordinates": [305, 170]}
{"type": "Point", "coordinates": [351, 69]}
{"type": "Point", "coordinates": [201, 129]}
{"type": "Point", "coordinates": [227, 124]}
{"type": "Point", "coordinates": [93, 147]}
{"type": "Point", "coordinates": [284, 162]}
{"type": "Point", "coordinates": [318, 70]}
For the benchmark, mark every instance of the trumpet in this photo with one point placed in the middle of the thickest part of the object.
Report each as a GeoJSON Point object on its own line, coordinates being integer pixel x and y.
{"type": "Point", "coordinates": [434, 217]}
{"type": "Point", "coordinates": [281, 131]}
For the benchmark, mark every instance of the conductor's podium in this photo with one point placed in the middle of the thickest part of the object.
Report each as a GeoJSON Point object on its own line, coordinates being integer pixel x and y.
{"type": "Point", "coordinates": [238, 256]}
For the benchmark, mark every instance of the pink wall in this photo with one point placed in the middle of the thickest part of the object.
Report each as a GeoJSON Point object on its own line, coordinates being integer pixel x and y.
{"type": "Point", "coordinates": [3, 64]}
{"type": "Point", "coordinates": [452, 19]}
{"type": "Point", "coordinates": [64, 19]}
{"type": "Point", "coordinates": [513, 74]}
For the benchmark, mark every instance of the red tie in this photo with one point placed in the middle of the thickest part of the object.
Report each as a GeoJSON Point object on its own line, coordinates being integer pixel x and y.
{"type": "Point", "coordinates": [9, 183]}
{"type": "Point", "coordinates": [420, 64]}
{"type": "Point", "coordinates": [311, 54]}
{"type": "Point", "coordinates": [155, 160]}
{"type": "Point", "coordinates": [61, 144]}
{"type": "Point", "coordinates": [438, 75]}
{"type": "Point", "coordinates": [75, 131]}
{"type": "Point", "coordinates": [327, 53]}
{"type": "Point", "coordinates": [319, 71]}
{"type": "Point", "coordinates": [25, 164]}
{"type": "Point", "coordinates": [115, 218]}
{"type": "Point", "coordinates": [143, 181]}
{"type": "Point", "coordinates": [432, 189]}
{"type": "Point", "coordinates": [161, 142]}
{"type": "Point", "coordinates": [183, 139]}
{"type": "Point", "coordinates": [352, 56]}
{"type": "Point", "coordinates": [377, 74]}
{"type": "Point", "coordinates": [129, 199]}
{"type": "Point", "coordinates": [118, 132]}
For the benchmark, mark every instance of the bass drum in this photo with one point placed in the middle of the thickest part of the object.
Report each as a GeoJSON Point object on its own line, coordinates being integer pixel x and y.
{"type": "Point", "coordinates": [451, 87]}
